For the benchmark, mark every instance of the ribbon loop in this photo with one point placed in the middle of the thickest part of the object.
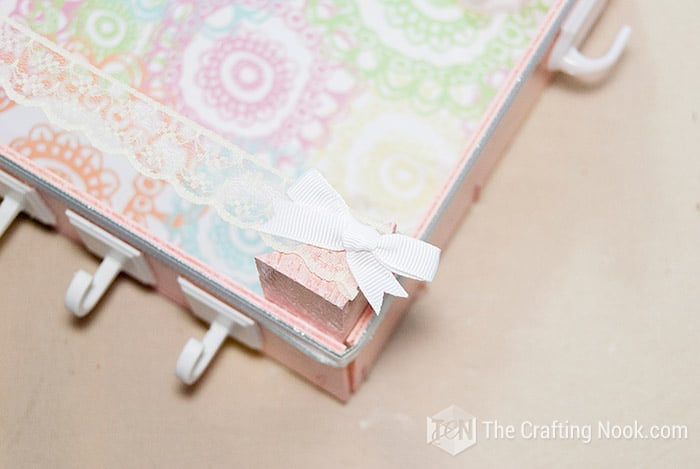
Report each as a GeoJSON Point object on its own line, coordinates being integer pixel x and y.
{"type": "Point", "coordinates": [318, 216]}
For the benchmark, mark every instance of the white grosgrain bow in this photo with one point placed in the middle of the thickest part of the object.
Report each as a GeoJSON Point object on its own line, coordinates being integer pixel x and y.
{"type": "Point", "coordinates": [317, 215]}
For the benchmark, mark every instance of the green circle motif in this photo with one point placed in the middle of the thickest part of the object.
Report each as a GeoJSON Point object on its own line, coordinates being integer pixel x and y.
{"type": "Point", "coordinates": [420, 28]}
{"type": "Point", "coordinates": [44, 17]}
{"type": "Point", "coordinates": [109, 27]}
{"type": "Point", "coordinates": [464, 89]}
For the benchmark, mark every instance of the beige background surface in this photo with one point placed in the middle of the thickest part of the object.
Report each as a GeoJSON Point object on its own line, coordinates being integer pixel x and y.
{"type": "Point", "coordinates": [571, 292]}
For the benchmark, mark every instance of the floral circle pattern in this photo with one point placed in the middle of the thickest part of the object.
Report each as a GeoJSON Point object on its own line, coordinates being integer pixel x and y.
{"type": "Point", "coordinates": [389, 163]}
{"type": "Point", "coordinates": [103, 32]}
{"type": "Point", "coordinates": [202, 233]}
{"type": "Point", "coordinates": [250, 71]}
{"type": "Point", "coordinates": [141, 207]}
{"type": "Point", "coordinates": [448, 25]}
{"type": "Point", "coordinates": [63, 154]}
{"type": "Point", "coordinates": [245, 78]}
{"type": "Point", "coordinates": [109, 26]}
{"type": "Point", "coordinates": [43, 16]}
{"type": "Point", "coordinates": [451, 69]}
{"type": "Point", "coordinates": [380, 95]}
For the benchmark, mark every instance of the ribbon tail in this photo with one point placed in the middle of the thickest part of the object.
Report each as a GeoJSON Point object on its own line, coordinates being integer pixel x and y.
{"type": "Point", "coordinates": [305, 224]}
{"type": "Point", "coordinates": [373, 278]}
{"type": "Point", "coordinates": [316, 213]}
{"type": "Point", "coordinates": [408, 256]}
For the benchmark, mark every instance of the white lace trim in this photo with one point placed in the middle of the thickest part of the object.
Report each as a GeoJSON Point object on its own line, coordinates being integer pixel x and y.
{"type": "Point", "coordinates": [201, 166]}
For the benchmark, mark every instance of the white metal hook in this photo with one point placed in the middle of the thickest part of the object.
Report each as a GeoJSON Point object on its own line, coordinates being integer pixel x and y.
{"type": "Point", "coordinates": [9, 209]}
{"type": "Point", "coordinates": [225, 321]}
{"type": "Point", "coordinates": [86, 290]}
{"type": "Point", "coordinates": [576, 64]}
{"type": "Point", "coordinates": [196, 355]}
{"type": "Point", "coordinates": [18, 197]}
{"type": "Point", "coordinates": [565, 55]}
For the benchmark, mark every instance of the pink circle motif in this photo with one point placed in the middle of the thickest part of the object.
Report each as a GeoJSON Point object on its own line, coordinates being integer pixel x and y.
{"type": "Point", "coordinates": [245, 78]}
{"type": "Point", "coordinates": [248, 74]}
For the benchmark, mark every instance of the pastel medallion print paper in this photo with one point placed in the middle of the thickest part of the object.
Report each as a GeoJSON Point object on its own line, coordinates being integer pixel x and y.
{"type": "Point", "coordinates": [144, 105]}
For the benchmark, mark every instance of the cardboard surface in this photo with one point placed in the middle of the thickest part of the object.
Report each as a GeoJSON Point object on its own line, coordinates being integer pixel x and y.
{"type": "Point", "coordinates": [570, 293]}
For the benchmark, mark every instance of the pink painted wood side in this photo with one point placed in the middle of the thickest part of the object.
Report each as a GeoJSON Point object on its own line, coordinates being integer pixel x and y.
{"type": "Point", "coordinates": [288, 282]}
{"type": "Point", "coordinates": [467, 193]}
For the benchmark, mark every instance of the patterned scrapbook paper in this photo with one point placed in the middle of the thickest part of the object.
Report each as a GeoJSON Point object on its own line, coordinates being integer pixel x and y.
{"type": "Point", "coordinates": [381, 95]}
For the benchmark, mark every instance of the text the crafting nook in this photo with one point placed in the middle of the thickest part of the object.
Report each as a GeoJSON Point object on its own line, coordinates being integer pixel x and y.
{"type": "Point", "coordinates": [453, 430]}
